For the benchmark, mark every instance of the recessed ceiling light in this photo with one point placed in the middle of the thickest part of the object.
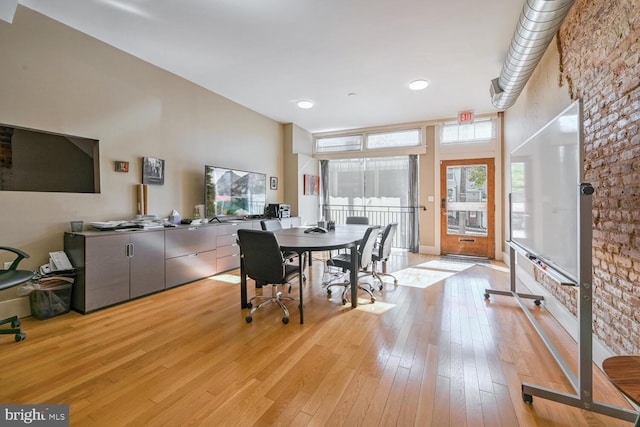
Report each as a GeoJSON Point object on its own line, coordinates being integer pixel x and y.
{"type": "Point", "coordinates": [418, 84]}
{"type": "Point", "coordinates": [305, 104]}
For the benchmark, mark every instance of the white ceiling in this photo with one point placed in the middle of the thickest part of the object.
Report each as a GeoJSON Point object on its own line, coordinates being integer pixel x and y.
{"type": "Point", "coordinates": [267, 54]}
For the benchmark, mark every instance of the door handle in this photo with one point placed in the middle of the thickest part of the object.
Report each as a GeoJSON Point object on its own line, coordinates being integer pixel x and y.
{"type": "Point", "coordinates": [443, 203]}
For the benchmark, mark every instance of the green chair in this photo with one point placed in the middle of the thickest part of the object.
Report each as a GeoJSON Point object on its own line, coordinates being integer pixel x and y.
{"type": "Point", "coordinates": [9, 278]}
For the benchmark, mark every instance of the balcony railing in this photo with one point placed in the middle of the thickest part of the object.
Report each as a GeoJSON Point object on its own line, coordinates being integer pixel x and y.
{"type": "Point", "coordinates": [380, 215]}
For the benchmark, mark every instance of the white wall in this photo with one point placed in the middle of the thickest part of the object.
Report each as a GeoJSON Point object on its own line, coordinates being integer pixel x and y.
{"type": "Point", "coordinates": [298, 148]}
{"type": "Point", "coordinates": [57, 79]}
{"type": "Point", "coordinates": [541, 100]}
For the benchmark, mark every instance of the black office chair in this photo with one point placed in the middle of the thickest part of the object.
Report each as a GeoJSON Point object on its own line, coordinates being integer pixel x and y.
{"type": "Point", "coordinates": [9, 278]}
{"type": "Point", "coordinates": [357, 220]}
{"type": "Point", "coordinates": [275, 225]}
{"type": "Point", "coordinates": [361, 220]}
{"type": "Point", "coordinates": [343, 261]}
{"type": "Point", "coordinates": [381, 253]}
{"type": "Point", "coordinates": [271, 224]}
{"type": "Point", "coordinates": [263, 262]}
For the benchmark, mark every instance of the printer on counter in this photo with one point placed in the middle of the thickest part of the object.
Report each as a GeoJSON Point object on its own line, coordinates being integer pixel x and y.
{"type": "Point", "coordinates": [278, 210]}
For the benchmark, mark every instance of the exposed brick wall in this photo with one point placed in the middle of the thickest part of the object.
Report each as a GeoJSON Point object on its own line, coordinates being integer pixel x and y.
{"type": "Point", "coordinates": [599, 45]}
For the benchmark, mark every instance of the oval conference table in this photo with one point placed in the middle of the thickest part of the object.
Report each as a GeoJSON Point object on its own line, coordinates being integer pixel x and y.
{"type": "Point", "coordinates": [296, 240]}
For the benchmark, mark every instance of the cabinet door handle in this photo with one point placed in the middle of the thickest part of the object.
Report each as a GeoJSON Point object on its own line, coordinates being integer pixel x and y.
{"type": "Point", "coordinates": [130, 250]}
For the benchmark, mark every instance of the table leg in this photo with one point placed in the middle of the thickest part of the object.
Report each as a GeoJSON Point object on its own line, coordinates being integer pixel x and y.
{"type": "Point", "coordinates": [354, 276]}
{"type": "Point", "coordinates": [301, 283]}
{"type": "Point", "coordinates": [243, 286]}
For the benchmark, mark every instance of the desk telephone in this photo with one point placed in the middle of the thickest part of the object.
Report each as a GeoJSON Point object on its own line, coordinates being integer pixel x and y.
{"type": "Point", "coordinates": [58, 261]}
{"type": "Point", "coordinates": [316, 230]}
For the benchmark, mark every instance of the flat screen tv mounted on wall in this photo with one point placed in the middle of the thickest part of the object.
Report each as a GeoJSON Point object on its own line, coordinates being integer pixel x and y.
{"type": "Point", "coordinates": [42, 161]}
{"type": "Point", "coordinates": [234, 192]}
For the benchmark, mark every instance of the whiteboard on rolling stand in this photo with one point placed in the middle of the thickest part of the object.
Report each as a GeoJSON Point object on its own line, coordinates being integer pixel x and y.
{"type": "Point", "coordinates": [546, 173]}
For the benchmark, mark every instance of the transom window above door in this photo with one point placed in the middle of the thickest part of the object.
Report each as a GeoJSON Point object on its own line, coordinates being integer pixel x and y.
{"type": "Point", "coordinates": [479, 131]}
{"type": "Point", "coordinates": [369, 141]}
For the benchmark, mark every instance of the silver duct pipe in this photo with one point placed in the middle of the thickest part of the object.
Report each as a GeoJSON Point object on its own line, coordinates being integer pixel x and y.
{"type": "Point", "coordinates": [539, 22]}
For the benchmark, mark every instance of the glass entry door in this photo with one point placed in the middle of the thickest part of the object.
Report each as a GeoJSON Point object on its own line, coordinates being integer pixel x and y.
{"type": "Point", "coordinates": [467, 207]}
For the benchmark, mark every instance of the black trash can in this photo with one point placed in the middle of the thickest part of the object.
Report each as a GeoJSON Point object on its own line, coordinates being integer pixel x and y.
{"type": "Point", "coordinates": [52, 299]}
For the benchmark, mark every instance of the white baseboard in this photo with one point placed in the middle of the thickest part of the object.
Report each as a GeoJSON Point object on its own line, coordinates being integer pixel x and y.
{"type": "Point", "coordinates": [428, 250]}
{"type": "Point", "coordinates": [15, 307]}
{"type": "Point", "coordinates": [505, 258]}
{"type": "Point", "coordinates": [567, 320]}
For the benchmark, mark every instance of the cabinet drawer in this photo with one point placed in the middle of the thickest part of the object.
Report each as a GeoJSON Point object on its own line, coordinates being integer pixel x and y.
{"type": "Point", "coordinates": [224, 251]}
{"type": "Point", "coordinates": [226, 240]}
{"type": "Point", "coordinates": [188, 240]}
{"type": "Point", "coordinates": [230, 262]}
{"type": "Point", "coordinates": [188, 268]}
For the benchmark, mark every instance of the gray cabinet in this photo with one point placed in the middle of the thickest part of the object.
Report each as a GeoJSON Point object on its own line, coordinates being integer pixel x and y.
{"type": "Point", "coordinates": [146, 263]}
{"type": "Point", "coordinates": [227, 246]}
{"type": "Point", "coordinates": [190, 254]}
{"type": "Point", "coordinates": [114, 267]}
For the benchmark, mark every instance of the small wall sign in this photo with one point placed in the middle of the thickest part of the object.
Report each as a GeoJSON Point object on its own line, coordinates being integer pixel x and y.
{"type": "Point", "coordinates": [465, 117]}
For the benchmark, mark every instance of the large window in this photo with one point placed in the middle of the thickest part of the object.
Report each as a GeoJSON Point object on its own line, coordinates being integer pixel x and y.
{"type": "Point", "coordinates": [371, 182]}
{"type": "Point", "coordinates": [384, 189]}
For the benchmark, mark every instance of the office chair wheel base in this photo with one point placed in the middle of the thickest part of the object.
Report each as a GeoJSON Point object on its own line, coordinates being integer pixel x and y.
{"type": "Point", "coordinates": [15, 324]}
{"type": "Point", "coordinates": [249, 305]}
{"type": "Point", "coordinates": [21, 337]}
{"type": "Point", "coordinates": [373, 300]}
{"type": "Point", "coordinates": [248, 319]}
{"type": "Point", "coordinates": [328, 292]}
{"type": "Point", "coordinates": [285, 320]}
{"type": "Point", "coordinates": [344, 301]}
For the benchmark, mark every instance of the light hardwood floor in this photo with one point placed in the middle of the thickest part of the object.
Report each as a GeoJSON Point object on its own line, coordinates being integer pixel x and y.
{"type": "Point", "coordinates": [426, 356]}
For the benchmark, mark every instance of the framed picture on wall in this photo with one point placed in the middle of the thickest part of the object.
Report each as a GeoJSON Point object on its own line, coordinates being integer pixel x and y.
{"type": "Point", "coordinates": [121, 166]}
{"type": "Point", "coordinates": [311, 185]}
{"type": "Point", "coordinates": [152, 170]}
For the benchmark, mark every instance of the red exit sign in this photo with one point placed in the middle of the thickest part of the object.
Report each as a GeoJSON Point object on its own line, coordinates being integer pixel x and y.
{"type": "Point", "coordinates": [465, 117]}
